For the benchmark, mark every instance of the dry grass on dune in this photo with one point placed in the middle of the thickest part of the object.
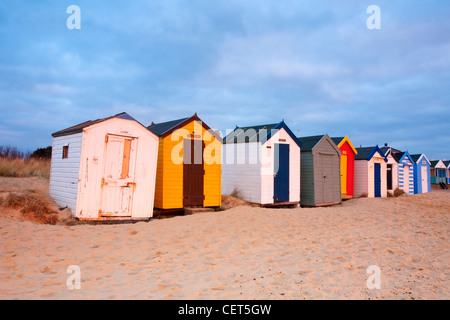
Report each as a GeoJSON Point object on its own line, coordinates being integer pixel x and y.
{"type": "Point", "coordinates": [229, 202]}
{"type": "Point", "coordinates": [28, 199]}
{"type": "Point", "coordinates": [33, 207]}
{"type": "Point", "coordinates": [21, 168]}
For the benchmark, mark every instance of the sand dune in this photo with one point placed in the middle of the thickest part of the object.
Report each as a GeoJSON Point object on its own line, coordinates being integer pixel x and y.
{"type": "Point", "coordinates": [242, 253]}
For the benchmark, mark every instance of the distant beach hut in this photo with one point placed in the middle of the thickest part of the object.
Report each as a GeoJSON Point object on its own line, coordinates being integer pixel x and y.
{"type": "Point", "coordinates": [348, 153]}
{"type": "Point", "coordinates": [422, 177]}
{"type": "Point", "coordinates": [405, 172]}
{"type": "Point", "coordinates": [105, 169]}
{"type": "Point", "coordinates": [189, 164]}
{"type": "Point", "coordinates": [438, 172]}
{"type": "Point", "coordinates": [447, 164]}
{"type": "Point", "coordinates": [370, 173]}
{"type": "Point", "coordinates": [262, 164]}
{"type": "Point", "coordinates": [320, 171]}
{"type": "Point", "coordinates": [391, 168]}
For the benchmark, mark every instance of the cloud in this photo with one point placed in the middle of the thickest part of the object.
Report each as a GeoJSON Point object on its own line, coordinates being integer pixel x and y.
{"type": "Point", "coordinates": [233, 62]}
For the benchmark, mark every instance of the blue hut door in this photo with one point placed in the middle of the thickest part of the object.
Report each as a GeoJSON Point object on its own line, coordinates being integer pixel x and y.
{"type": "Point", "coordinates": [441, 175]}
{"type": "Point", "coordinates": [377, 180]}
{"type": "Point", "coordinates": [281, 173]}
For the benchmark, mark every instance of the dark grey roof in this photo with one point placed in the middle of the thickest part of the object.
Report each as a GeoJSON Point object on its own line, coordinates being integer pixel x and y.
{"type": "Point", "coordinates": [397, 155]}
{"type": "Point", "coordinates": [363, 153]}
{"type": "Point", "coordinates": [447, 163]}
{"type": "Point", "coordinates": [434, 163]}
{"type": "Point", "coordinates": [308, 143]}
{"type": "Point", "coordinates": [249, 134]}
{"type": "Point", "coordinates": [79, 127]}
{"type": "Point", "coordinates": [162, 127]}
{"type": "Point", "coordinates": [385, 150]}
{"type": "Point", "coordinates": [337, 140]}
{"type": "Point", "coordinates": [415, 157]}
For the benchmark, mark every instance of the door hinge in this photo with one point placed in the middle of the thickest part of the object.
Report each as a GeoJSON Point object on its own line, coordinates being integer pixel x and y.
{"type": "Point", "coordinates": [106, 138]}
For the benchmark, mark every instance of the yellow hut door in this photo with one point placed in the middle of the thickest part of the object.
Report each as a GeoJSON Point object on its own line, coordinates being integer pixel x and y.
{"type": "Point", "coordinates": [344, 173]}
{"type": "Point", "coordinates": [118, 182]}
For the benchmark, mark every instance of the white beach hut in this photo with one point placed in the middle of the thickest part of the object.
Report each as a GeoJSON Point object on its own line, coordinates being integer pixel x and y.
{"type": "Point", "coordinates": [105, 169]}
{"type": "Point", "coordinates": [370, 173]}
{"type": "Point", "coordinates": [262, 163]}
{"type": "Point", "coordinates": [391, 168]}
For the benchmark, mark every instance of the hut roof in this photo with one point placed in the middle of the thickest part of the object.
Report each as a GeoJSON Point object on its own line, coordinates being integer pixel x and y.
{"type": "Point", "coordinates": [163, 129]}
{"type": "Point", "coordinates": [447, 163]}
{"type": "Point", "coordinates": [308, 143]}
{"type": "Point", "coordinates": [79, 127]}
{"type": "Point", "coordinates": [340, 141]}
{"type": "Point", "coordinates": [259, 133]}
{"type": "Point", "coordinates": [337, 140]}
{"type": "Point", "coordinates": [416, 157]}
{"type": "Point", "coordinates": [366, 153]}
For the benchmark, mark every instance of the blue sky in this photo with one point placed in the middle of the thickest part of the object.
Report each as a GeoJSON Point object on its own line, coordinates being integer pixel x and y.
{"type": "Point", "coordinates": [314, 64]}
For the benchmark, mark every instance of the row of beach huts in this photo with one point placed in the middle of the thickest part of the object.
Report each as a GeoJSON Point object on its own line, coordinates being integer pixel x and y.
{"type": "Point", "coordinates": [118, 169]}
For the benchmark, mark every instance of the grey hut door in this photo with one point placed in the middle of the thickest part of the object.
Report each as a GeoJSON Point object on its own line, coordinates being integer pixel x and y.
{"type": "Point", "coordinates": [193, 173]}
{"type": "Point", "coordinates": [281, 173]}
{"type": "Point", "coordinates": [327, 178]}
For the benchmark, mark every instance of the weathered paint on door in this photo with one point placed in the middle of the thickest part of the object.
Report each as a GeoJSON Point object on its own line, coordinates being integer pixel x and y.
{"type": "Point", "coordinates": [118, 182]}
{"type": "Point", "coordinates": [344, 165]}
{"type": "Point", "coordinates": [281, 174]}
{"type": "Point", "coordinates": [377, 177]}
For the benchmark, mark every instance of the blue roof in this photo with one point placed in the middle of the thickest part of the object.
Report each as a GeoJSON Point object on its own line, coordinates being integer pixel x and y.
{"type": "Point", "coordinates": [403, 155]}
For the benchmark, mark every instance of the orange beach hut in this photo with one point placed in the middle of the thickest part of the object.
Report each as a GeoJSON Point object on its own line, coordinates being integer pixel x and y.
{"type": "Point", "coordinates": [189, 164]}
{"type": "Point", "coordinates": [348, 153]}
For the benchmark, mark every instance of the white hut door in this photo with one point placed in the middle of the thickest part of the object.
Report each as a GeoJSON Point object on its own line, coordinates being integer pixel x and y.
{"type": "Point", "coordinates": [118, 181]}
{"type": "Point", "coordinates": [424, 176]}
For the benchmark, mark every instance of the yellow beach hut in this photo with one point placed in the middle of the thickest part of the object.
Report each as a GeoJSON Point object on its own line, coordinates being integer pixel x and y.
{"type": "Point", "coordinates": [189, 164]}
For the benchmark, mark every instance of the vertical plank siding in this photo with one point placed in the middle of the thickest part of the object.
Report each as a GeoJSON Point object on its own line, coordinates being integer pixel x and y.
{"type": "Point", "coordinates": [321, 174]}
{"type": "Point", "coordinates": [169, 181]}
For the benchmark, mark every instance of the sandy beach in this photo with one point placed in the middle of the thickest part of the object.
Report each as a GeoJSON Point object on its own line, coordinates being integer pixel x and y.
{"type": "Point", "coordinates": [241, 253]}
